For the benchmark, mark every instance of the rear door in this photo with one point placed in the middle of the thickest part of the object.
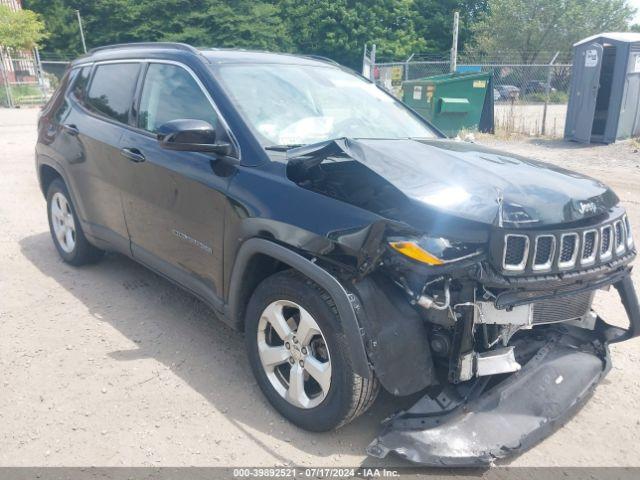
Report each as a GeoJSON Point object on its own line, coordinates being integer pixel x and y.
{"type": "Point", "coordinates": [95, 125]}
{"type": "Point", "coordinates": [174, 201]}
{"type": "Point", "coordinates": [586, 93]}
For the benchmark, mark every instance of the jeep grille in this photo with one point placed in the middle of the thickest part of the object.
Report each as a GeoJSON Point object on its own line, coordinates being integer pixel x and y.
{"type": "Point", "coordinates": [566, 249]}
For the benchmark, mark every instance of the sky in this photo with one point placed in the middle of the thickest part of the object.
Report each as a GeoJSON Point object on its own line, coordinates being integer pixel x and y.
{"type": "Point", "coordinates": [636, 4]}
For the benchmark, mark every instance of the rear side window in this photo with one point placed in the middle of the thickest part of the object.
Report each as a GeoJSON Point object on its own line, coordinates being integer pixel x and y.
{"type": "Point", "coordinates": [111, 90]}
{"type": "Point", "coordinates": [171, 93]}
{"type": "Point", "coordinates": [79, 88]}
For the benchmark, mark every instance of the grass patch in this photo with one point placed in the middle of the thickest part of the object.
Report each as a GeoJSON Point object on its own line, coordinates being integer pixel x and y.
{"type": "Point", "coordinates": [554, 97]}
{"type": "Point", "coordinates": [21, 95]}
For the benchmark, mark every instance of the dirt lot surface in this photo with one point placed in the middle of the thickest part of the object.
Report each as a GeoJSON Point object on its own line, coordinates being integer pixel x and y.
{"type": "Point", "coordinates": [112, 365]}
{"type": "Point", "coordinates": [527, 118]}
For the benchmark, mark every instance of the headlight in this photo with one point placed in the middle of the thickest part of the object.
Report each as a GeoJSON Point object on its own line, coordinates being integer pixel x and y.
{"type": "Point", "coordinates": [434, 250]}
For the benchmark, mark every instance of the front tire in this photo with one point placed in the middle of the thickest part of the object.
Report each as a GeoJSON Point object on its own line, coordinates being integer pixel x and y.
{"type": "Point", "coordinates": [300, 357]}
{"type": "Point", "coordinates": [65, 228]}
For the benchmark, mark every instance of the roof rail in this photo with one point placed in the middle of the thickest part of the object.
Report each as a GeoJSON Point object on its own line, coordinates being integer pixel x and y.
{"type": "Point", "coordinates": [175, 45]}
{"type": "Point", "coordinates": [323, 59]}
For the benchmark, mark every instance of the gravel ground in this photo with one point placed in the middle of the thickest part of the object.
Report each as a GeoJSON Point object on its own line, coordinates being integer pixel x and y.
{"type": "Point", "coordinates": [527, 118]}
{"type": "Point", "coordinates": [112, 365]}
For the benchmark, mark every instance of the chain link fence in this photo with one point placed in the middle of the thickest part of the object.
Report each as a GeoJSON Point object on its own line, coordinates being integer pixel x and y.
{"type": "Point", "coordinates": [28, 77]}
{"type": "Point", "coordinates": [21, 80]}
{"type": "Point", "coordinates": [530, 97]}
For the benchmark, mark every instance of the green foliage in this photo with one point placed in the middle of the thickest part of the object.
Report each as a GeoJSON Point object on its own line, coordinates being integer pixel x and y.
{"type": "Point", "coordinates": [20, 30]}
{"type": "Point", "coordinates": [554, 97]}
{"type": "Point", "coordinates": [535, 26]}
{"type": "Point", "coordinates": [60, 23]}
{"type": "Point", "coordinates": [337, 29]}
{"type": "Point", "coordinates": [235, 23]}
{"type": "Point", "coordinates": [434, 20]}
{"type": "Point", "coordinates": [334, 28]}
{"type": "Point", "coordinates": [21, 95]}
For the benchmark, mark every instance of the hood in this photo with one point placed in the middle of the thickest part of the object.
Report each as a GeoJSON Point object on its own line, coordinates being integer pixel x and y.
{"type": "Point", "coordinates": [472, 182]}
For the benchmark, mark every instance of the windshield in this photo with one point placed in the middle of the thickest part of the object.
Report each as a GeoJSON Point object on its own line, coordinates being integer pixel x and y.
{"type": "Point", "coordinates": [303, 104]}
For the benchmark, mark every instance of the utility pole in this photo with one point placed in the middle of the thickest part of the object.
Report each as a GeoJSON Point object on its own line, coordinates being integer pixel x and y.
{"type": "Point", "coordinates": [454, 47]}
{"type": "Point", "coordinates": [373, 62]}
{"type": "Point", "coordinates": [364, 61]}
{"type": "Point", "coordinates": [84, 45]}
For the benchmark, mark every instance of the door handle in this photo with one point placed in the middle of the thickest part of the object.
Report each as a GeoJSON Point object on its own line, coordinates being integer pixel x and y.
{"type": "Point", "coordinates": [133, 154]}
{"type": "Point", "coordinates": [71, 129]}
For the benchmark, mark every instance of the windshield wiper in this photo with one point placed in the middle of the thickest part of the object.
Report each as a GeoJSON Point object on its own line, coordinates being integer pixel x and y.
{"type": "Point", "coordinates": [284, 148]}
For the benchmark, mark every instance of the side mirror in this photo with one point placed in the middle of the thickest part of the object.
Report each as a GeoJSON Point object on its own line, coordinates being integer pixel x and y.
{"type": "Point", "coordinates": [189, 135]}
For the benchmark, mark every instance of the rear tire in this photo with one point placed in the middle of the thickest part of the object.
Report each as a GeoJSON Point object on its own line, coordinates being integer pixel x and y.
{"type": "Point", "coordinates": [313, 351]}
{"type": "Point", "coordinates": [65, 228]}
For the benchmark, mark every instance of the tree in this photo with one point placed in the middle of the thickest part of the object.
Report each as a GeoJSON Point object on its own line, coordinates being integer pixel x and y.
{"type": "Point", "coordinates": [20, 30]}
{"type": "Point", "coordinates": [338, 29]}
{"type": "Point", "coordinates": [213, 23]}
{"type": "Point", "coordinates": [434, 21]}
{"type": "Point", "coordinates": [529, 27]}
{"type": "Point", "coordinates": [334, 28]}
{"type": "Point", "coordinates": [238, 24]}
{"type": "Point", "coordinates": [60, 22]}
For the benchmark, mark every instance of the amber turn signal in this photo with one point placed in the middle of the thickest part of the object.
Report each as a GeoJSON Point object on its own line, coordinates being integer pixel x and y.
{"type": "Point", "coordinates": [415, 252]}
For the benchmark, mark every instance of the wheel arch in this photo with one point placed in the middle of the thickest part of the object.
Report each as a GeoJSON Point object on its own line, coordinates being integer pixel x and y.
{"type": "Point", "coordinates": [46, 175]}
{"type": "Point", "coordinates": [48, 170]}
{"type": "Point", "coordinates": [258, 258]}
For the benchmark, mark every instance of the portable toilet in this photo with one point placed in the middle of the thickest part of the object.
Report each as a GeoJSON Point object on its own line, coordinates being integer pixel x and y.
{"type": "Point", "coordinates": [605, 89]}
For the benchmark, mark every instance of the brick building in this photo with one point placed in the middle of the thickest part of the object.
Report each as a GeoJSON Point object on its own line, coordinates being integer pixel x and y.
{"type": "Point", "coordinates": [19, 66]}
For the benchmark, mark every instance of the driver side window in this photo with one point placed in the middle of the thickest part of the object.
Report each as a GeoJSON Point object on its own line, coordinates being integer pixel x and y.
{"type": "Point", "coordinates": [171, 93]}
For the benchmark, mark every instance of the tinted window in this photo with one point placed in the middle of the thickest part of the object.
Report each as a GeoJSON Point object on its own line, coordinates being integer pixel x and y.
{"type": "Point", "coordinates": [171, 93]}
{"type": "Point", "coordinates": [111, 90]}
{"type": "Point", "coordinates": [79, 88]}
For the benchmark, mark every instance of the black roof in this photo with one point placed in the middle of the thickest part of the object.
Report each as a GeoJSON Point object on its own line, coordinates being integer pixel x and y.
{"type": "Point", "coordinates": [212, 55]}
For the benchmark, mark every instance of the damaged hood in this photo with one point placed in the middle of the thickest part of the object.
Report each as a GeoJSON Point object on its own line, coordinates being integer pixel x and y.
{"type": "Point", "coordinates": [473, 182]}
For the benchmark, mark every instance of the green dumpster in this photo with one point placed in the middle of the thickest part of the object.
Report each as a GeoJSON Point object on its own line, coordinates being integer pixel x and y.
{"type": "Point", "coordinates": [451, 102]}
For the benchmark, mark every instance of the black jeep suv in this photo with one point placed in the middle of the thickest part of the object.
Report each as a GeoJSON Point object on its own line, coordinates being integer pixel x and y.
{"type": "Point", "coordinates": [352, 244]}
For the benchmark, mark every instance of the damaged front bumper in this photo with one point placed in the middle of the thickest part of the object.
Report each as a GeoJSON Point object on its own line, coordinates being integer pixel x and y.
{"type": "Point", "coordinates": [478, 422]}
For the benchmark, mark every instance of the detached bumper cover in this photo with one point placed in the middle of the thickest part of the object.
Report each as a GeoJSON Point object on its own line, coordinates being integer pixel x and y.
{"type": "Point", "coordinates": [511, 417]}
{"type": "Point", "coordinates": [517, 413]}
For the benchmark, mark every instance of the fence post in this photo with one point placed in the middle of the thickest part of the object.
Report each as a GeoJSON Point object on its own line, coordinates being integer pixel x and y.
{"type": "Point", "coordinates": [40, 72]}
{"type": "Point", "coordinates": [5, 79]}
{"type": "Point", "coordinates": [406, 66]}
{"type": "Point", "coordinates": [547, 91]}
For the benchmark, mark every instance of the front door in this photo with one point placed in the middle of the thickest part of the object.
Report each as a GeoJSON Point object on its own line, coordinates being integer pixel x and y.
{"type": "Point", "coordinates": [174, 201]}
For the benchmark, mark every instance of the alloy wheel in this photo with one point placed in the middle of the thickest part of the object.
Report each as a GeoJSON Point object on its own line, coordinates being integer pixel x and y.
{"type": "Point", "coordinates": [64, 225]}
{"type": "Point", "coordinates": [294, 354]}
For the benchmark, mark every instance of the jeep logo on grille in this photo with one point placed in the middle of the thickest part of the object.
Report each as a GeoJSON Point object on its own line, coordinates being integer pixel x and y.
{"type": "Point", "coordinates": [587, 207]}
